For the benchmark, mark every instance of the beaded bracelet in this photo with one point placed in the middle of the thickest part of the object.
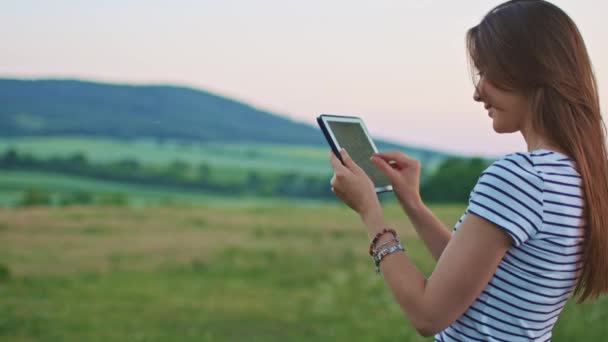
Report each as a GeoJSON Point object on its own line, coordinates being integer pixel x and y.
{"type": "Point", "coordinates": [382, 254]}
{"type": "Point", "coordinates": [395, 239]}
{"type": "Point", "coordinates": [378, 235]}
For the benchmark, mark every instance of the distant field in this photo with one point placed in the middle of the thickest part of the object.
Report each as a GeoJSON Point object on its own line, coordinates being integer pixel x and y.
{"type": "Point", "coordinates": [306, 160]}
{"type": "Point", "coordinates": [263, 157]}
{"type": "Point", "coordinates": [226, 164]}
{"type": "Point", "coordinates": [260, 272]}
{"type": "Point", "coordinates": [13, 184]}
{"type": "Point", "coordinates": [229, 163]}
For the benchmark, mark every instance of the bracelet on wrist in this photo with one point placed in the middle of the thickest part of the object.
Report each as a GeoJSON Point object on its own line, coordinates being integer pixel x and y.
{"type": "Point", "coordinates": [383, 253]}
{"type": "Point", "coordinates": [378, 235]}
{"type": "Point", "coordinates": [394, 239]}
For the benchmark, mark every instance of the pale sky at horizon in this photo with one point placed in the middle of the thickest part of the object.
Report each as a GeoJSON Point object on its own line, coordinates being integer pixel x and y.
{"type": "Point", "coordinates": [401, 65]}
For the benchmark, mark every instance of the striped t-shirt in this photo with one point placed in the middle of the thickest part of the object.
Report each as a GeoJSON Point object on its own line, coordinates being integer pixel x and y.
{"type": "Point", "coordinates": [536, 198]}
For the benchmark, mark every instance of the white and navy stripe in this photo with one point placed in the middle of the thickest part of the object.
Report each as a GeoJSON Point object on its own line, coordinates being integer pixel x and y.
{"type": "Point", "coordinates": [536, 198]}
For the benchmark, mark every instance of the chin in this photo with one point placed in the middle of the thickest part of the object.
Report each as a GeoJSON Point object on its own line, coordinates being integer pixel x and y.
{"type": "Point", "coordinates": [502, 129]}
{"type": "Point", "coordinates": [504, 122]}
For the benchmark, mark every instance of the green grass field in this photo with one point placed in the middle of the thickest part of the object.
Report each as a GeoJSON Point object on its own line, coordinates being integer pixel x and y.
{"type": "Point", "coordinates": [259, 272]}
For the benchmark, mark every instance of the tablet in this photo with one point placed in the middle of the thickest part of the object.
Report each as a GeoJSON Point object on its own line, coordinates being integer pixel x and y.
{"type": "Point", "coordinates": [349, 132]}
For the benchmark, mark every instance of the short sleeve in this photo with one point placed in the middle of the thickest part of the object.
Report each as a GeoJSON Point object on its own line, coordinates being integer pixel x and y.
{"type": "Point", "coordinates": [509, 193]}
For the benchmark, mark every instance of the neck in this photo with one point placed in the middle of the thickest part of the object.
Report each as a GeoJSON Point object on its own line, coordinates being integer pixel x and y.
{"type": "Point", "coordinates": [535, 141]}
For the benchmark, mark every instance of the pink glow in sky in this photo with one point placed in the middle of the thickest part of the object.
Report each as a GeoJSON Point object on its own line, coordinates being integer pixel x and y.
{"type": "Point", "coordinates": [398, 64]}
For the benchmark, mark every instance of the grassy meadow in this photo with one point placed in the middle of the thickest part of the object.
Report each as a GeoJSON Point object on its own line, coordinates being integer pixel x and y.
{"type": "Point", "coordinates": [172, 264]}
{"type": "Point", "coordinates": [211, 272]}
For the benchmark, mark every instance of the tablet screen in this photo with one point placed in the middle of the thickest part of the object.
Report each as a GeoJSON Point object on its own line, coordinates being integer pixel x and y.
{"type": "Point", "coordinates": [354, 139]}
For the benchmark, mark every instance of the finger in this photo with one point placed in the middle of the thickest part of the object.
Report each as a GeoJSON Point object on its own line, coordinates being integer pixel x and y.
{"type": "Point", "coordinates": [397, 157]}
{"type": "Point", "coordinates": [336, 164]}
{"type": "Point", "coordinates": [385, 167]}
{"type": "Point", "coordinates": [348, 161]}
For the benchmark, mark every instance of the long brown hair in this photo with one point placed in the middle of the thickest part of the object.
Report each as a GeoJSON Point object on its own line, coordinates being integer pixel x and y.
{"type": "Point", "coordinates": [532, 46]}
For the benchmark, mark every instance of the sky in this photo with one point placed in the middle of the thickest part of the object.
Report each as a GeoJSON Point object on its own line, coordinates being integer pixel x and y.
{"type": "Point", "coordinates": [400, 65]}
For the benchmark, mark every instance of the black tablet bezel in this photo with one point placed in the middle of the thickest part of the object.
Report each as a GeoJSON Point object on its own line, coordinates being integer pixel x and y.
{"type": "Point", "coordinates": [323, 119]}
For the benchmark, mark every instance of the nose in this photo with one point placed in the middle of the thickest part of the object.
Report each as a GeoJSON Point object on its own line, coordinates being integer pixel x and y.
{"type": "Point", "coordinates": [477, 94]}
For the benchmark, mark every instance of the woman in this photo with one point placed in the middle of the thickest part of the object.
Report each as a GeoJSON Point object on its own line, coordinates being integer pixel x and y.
{"type": "Point", "coordinates": [536, 227]}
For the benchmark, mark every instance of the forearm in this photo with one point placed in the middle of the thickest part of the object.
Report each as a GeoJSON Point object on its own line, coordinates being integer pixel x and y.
{"type": "Point", "coordinates": [406, 282]}
{"type": "Point", "coordinates": [430, 229]}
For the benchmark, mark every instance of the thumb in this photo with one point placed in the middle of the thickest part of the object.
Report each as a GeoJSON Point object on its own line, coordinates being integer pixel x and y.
{"type": "Point", "coordinates": [348, 161]}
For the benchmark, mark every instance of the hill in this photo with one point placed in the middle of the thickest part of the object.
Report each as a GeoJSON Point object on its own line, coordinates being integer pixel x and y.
{"type": "Point", "coordinates": [82, 108]}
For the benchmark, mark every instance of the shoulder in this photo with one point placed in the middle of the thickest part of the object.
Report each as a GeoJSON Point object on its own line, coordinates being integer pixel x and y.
{"type": "Point", "coordinates": [514, 170]}
{"type": "Point", "coordinates": [509, 193]}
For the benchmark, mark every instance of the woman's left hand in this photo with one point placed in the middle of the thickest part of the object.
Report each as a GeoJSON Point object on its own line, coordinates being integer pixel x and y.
{"type": "Point", "coordinates": [352, 185]}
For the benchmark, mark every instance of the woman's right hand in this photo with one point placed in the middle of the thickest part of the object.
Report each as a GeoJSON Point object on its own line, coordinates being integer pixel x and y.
{"type": "Point", "coordinates": [404, 174]}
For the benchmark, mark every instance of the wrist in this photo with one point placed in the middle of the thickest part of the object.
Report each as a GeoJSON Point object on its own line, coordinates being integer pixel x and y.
{"type": "Point", "coordinates": [412, 204]}
{"type": "Point", "coordinates": [374, 221]}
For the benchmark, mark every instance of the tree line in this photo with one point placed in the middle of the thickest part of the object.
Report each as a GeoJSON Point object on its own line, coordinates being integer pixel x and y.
{"type": "Point", "coordinates": [451, 182]}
